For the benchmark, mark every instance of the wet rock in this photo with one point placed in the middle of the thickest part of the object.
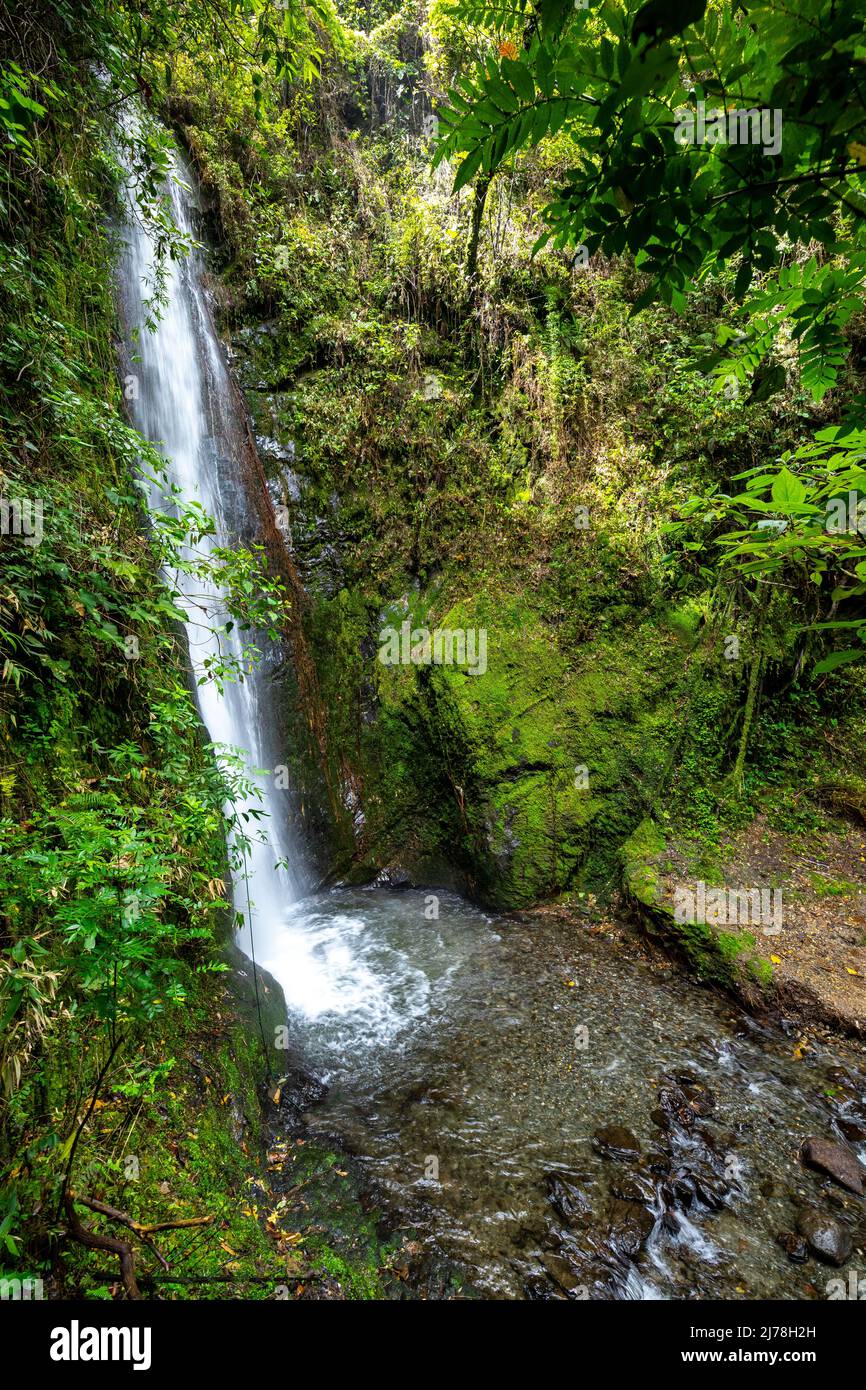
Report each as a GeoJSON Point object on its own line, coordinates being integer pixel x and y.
{"type": "Point", "coordinates": [397, 879]}
{"type": "Point", "coordinates": [836, 1160]}
{"type": "Point", "coordinates": [657, 1161]}
{"type": "Point", "coordinates": [674, 1107]}
{"type": "Point", "coordinates": [600, 1249]}
{"type": "Point", "coordinates": [614, 1141]}
{"type": "Point", "coordinates": [633, 1187]}
{"type": "Point", "coordinates": [599, 1276]}
{"type": "Point", "coordinates": [794, 1246]}
{"type": "Point", "coordinates": [564, 1275]}
{"type": "Point", "coordinates": [828, 1241]}
{"type": "Point", "coordinates": [296, 1092]}
{"type": "Point", "coordinates": [853, 1130]}
{"type": "Point", "coordinates": [711, 1190]}
{"type": "Point", "coordinates": [697, 1095]}
{"type": "Point", "coordinates": [541, 1290]}
{"type": "Point", "coordinates": [698, 1182]}
{"type": "Point", "coordinates": [680, 1191]}
{"type": "Point", "coordinates": [629, 1227]}
{"type": "Point", "coordinates": [568, 1199]}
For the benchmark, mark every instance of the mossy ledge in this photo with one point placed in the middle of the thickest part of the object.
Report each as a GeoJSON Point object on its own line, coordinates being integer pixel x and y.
{"type": "Point", "coordinates": [809, 963]}
{"type": "Point", "coordinates": [726, 958]}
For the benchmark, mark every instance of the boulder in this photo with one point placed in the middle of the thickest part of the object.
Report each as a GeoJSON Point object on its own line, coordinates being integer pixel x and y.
{"type": "Point", "coordinates": [836, 1160]}
{"type": "Point", "coordinates": [828, 1241]}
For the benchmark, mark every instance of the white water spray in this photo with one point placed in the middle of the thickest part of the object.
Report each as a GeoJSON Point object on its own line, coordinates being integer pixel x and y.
{"type": "Point", "coordinates": [184, 404]}
{"type": "Point", "coordinates": [348, 969]}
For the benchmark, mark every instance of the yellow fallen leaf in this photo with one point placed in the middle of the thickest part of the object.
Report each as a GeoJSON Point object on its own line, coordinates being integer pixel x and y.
{"type": "Point", "coordinates": [777, 960]}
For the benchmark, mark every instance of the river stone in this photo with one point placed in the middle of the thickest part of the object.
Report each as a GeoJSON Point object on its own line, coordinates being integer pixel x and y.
{"type": "Point", "coordinates": [836, 1160]}
{"type": "Point", "coordinates": [688, 1186]}
{"type": "Point", "coordinates": [614, 1141]}
{"type": "Point", "coordinates": [633, 1187]}
{"type": "Point", "coordinates": [629, 1228]}
{"type": "Point", "coordinates": [794, 1246]}
{"type": "Point", "coordinates": [397, 879]}
{"type": "Point", "coordinates": [826, 1238]}
{"type": "Point", "coordinates": [699, 1096]}
{"type": "Point", "coordinates": [568, 1200]}
{"type": "Point", "coordinates": [562, 1274]}
{"type": "Point", "coordinates": [673, 1108]}
{"type": "Point", "coordinates": [543, 1290]}
{"type": "Point", "coordinates": [298, 1091]}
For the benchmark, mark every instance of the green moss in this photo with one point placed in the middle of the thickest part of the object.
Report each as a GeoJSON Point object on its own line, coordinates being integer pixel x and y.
{"type": "Point", "coordinates": [762, 970]}
{"type": "Point", "coordinates": [825, 887]}
{"type": "Point", "coordinates": [552, 757]}
{"type": "Point", "coordinates": [722, 957]}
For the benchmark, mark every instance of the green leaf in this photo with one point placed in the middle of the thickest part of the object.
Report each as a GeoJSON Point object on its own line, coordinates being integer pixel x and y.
{"type": "Point", "coordinates": [469, 168]}
{"type": "Point", "coordinates": [520, 78]}
{"type": "Point", "coordinates": [835, 659]}
{"type": "Point", "coordinates": [787, 491]}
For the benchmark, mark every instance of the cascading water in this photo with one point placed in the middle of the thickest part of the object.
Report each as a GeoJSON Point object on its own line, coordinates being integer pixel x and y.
{"type": "Point", "coordinates": [183, 403]}
{"type": "Point", "coordinates": [362, 986]}
{"type": "Point", "coordinates": [451, 1046]}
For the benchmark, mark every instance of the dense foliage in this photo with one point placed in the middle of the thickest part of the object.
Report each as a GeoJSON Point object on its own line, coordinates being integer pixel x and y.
{"type": "Point", "coordinates": [701, 135]}
{"type": "Point", "coordinates": [114, 821]}
{"type": "Point", "coordinates": [645, 94]}
{"type": "Point", "coordinates": [619, 425]}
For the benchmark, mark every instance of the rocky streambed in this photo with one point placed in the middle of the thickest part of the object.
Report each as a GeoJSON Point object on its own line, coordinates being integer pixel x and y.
{"type": "Point", "coordinates": [560, 1114]}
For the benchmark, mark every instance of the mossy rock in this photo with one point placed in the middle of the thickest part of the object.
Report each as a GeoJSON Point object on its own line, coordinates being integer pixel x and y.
{"type": "Point", "coordinates": [727, 958]}
{"type": "Point", "coordinates": [550, 762]}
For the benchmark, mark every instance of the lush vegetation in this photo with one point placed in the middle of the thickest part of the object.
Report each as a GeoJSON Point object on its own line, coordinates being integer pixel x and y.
{"type": "Point", "coordinates": [113, 830]}
{"type": "Point", "coordinates": [609, 425]}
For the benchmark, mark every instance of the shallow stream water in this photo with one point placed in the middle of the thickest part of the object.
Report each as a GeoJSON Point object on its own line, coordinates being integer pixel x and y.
{"type": "Point", "coordinates": [471, 1062]}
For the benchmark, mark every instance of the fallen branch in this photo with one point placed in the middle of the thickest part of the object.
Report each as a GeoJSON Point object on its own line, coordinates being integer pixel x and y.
{"type": "Point", "coordinates": [177, 1225]}
{"type": "Point", "coordinates": [304, 1276]}
{"type": "Point", "coordinates": [94, 1240]}
{"type": "Point", "coordinates": [140, 1229]}
{"type": "Point", "coordinates": [144, 1232]}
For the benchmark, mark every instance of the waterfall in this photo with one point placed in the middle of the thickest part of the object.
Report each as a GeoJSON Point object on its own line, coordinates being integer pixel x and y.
{"type": "Point", "coordinates": [359, 969]}
{"type": "Point", "coordinates": [182, 402]}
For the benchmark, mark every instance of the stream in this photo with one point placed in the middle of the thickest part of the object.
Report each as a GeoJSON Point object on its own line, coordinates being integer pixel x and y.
{"type": "Point", "coordinates": [539, 1101]}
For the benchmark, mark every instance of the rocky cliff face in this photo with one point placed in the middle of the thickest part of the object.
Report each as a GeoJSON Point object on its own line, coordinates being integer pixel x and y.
{"type": "Point", "coordinates": [501, 458]}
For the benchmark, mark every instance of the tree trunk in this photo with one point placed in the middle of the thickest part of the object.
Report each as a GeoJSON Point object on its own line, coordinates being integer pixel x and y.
{"type": "Point", "coordinates": [481, 186]}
